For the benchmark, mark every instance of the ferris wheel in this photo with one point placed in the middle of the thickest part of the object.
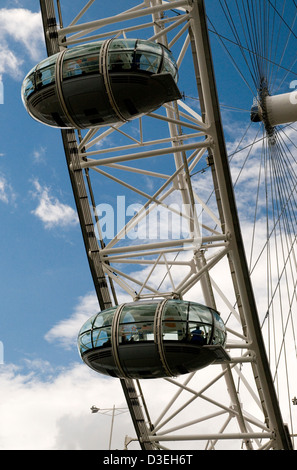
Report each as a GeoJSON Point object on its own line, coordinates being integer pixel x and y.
{"type": "Point", "coordinates": [187, 207]}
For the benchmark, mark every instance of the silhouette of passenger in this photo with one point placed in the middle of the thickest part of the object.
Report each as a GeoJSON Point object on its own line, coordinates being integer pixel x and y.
{"type": "Point", "coordinates": [118, 64]}
{"type": "Point", "coordinates": [197, 336]}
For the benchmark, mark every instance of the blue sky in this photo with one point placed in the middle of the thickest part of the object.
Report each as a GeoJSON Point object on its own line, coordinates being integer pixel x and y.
{"type": "Point", "coordinates": [38, 209]}
{"type": "Point", "coordinates": [44, 275]}
{"type": "Point", "coordinates": [46, 288]}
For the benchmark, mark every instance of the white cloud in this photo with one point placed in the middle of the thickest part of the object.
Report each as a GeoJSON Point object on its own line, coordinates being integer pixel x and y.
{"type": "Point", "coordinates": [39, 154]}
{"type": "Point", "coordinates": [7, 194]}
{"type": "Point", "coordinates": [66, 331]}
{"type": "Point", "coordinates": [61, 404]}
{"type": "Point", "coordinates": [54, 413]}
{"type": "Point", "coordinates": [51, 211]}
{"type": "Point", "coordinates": [9, 63]}
{"type": "Point", "coordinates": [19, 26]}
{"type": "Point", "coordinates": [3, 194]}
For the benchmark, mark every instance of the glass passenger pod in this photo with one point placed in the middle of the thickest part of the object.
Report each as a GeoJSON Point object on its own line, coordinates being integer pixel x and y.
{"type": "Point", "coordinates": [101, 83]}
{"type": "Point", "coordinates": [153, 339]}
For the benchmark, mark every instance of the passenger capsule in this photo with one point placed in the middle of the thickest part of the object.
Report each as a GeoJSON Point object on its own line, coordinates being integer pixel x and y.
{"type": "Point", "coordinates": [153, 339]}
{"type": "Point", "coordinates": [101, 83]}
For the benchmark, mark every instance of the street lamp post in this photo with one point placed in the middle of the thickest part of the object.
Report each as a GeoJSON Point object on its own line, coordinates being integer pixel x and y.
{"type": "Point", "coordinates": [113, 410]}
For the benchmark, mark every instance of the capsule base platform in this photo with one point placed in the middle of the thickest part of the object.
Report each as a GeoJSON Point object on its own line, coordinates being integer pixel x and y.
{"type": "Point", "coordinates": [146, 364]}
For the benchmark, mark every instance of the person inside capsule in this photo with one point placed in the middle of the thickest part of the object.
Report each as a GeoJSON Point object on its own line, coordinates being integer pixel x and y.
{"type": "Point", "coordinates": [197, 336]}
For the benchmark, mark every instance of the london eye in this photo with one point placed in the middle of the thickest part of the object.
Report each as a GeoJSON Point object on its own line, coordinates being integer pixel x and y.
{"type": "Point", "coordinates": [196, 280]}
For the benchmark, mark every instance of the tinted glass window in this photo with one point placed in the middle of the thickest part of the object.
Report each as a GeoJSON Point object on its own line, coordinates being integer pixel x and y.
{"type": "Point", "coordinates": [45, 72]}
{"type": "Point", "coordinates": [81, 60]}
{"type": "Point", "coordinates": [218, 337]}
{"type": "Point", "coordinates": [96, 332]}
{"type": "Point", "coordinates": [174, 321]}
{"type": "Point", "coordinates": [146, 331]}
{"type": "Point", "coordinates": [85, 65]}
{"type": "Point", "coordinates": [149, 62]}
{"type": "Point", "coordinates": [71, 68]}
{"type": "Point", "coordinates": [104, 318]}
{"type": "Point", "coordinates": [122, 44]}
{"type": "Point", "coordinates": [28, 86]}
{"type": "Point", "coordinates": [78, 52]}
{"type": "Point", "coordinates": [138, 313]}
{"type": "Point", "coordinates": [49, 62]}
{"type": "Point", "coordinates": [101, 337]}
{"type": "Point", "coordinates": [174, 331]}
{"type": "Point", "coordinates": [85, 341]}
{"type": "Point", "coordinates": [88, 325]}
{"type": "Point", "coordinates": [199, 334]}
{"type": "Point", "coordinates": [176, 311]}
{"type": "Point", "coordinates": [45, 76]}
{"type": "Point", "coordinates": [199, 313]}
{"type": "Point", "coordinates": [218, 321]}
{"type": "Point", "coordinates": [148, 56]}
{"type": "Point", "coordinates": [168, 67]}
{"type": "Point", "coordinates": [135, 332]}
{"type": "Point", "coordinates": [120, 61]}
{"type": "Point", "coordinates": [146, 46]}
{"type": "Point", "coordinates": [137, 323]}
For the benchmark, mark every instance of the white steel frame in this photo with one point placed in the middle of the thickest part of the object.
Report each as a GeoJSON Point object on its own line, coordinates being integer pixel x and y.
{"type": "Point", "coordinates": [185, 264]}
